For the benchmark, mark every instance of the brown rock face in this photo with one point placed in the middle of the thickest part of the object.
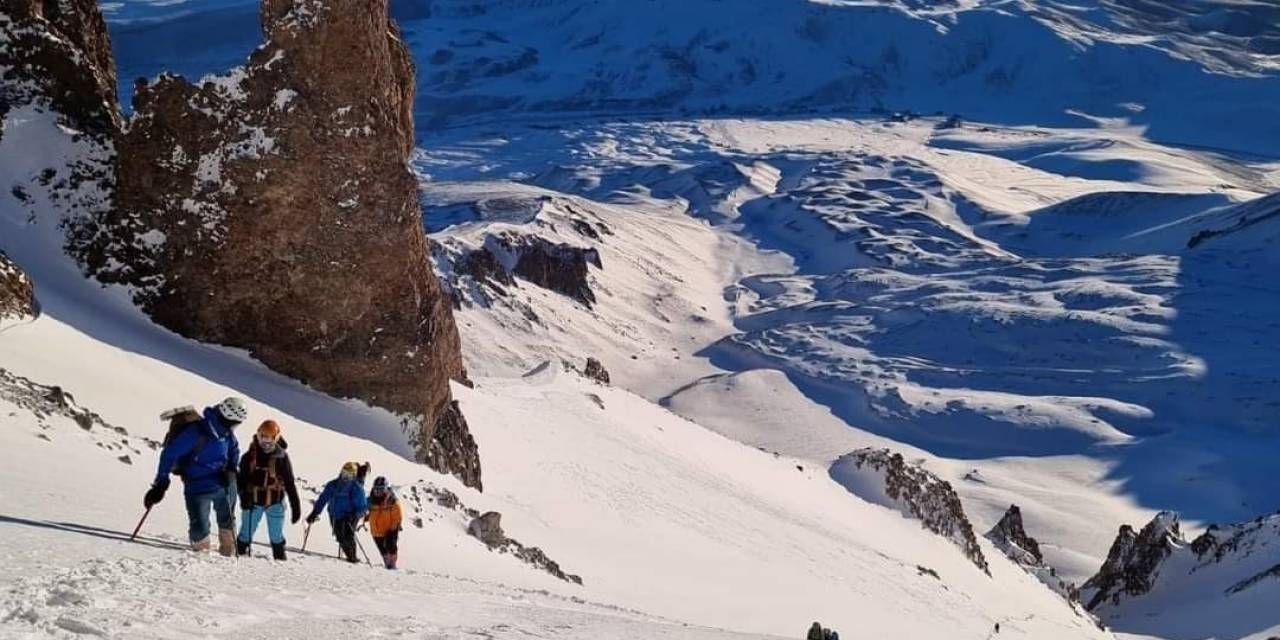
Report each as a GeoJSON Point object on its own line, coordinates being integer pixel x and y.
{"type": "Point", "coordinates": [273, 209]}
{"type": "Point", "coordinates": [59, 51]}
{"type": "Point", "coordinates": [56, 66]}
{"type": "Point", "coordinates": [17, 297]}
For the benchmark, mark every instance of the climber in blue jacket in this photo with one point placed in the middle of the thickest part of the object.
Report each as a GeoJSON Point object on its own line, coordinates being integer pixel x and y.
{"type": "Point", "coordinates": [203, 451]}
{"type": "Point", "coordinates": [347, 504]}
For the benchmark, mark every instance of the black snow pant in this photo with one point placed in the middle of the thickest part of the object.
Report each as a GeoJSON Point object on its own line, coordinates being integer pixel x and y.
{"type": "Point", "coordinates": [388, 543]}
{"type": "Point", "coordinates": [344, 529]}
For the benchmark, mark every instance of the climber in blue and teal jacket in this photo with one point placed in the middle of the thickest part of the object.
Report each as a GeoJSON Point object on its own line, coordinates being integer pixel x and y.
{"type": "Point", "coordinates": [203, 451]}
{"type": "Point", "coordinates": [347, 504]}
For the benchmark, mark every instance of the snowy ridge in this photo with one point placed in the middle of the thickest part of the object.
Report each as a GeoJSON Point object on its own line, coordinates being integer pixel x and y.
{"type": "Point", "coordinates": [1208, 585]}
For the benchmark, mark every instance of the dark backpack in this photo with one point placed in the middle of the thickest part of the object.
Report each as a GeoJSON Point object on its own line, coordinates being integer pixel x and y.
{"type": "Point", "coordinates": [179, 421]}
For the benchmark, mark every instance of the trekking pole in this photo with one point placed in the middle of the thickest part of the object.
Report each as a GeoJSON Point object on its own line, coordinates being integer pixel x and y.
{"type": "Point", "coordinates": [139, 527]}
{"type": "Point", "coordinates": [359, 544]}
{"type": "Point", "coordinates": [306, 533]}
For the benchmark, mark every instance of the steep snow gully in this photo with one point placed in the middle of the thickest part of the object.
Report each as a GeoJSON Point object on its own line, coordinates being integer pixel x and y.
{"type": "Point", "coordinates": [831, 340]}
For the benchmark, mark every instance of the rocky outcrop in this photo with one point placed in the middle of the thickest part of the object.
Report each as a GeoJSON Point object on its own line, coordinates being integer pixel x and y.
{"type": "Point", "coordinates": [273, 209]}
{"type": "Point", "coordinates": [56, 417]}
{"type": "Point", "coordinates": [452, 447]}
{"type": "Point", "coordinates": [558, 267]}
{"type": "Point", "coordinates": [59, 52]}
{"type": "Point", "coordinates": [487, 528]}
{"type": "Point", "coordinates": [1009, 536]}
{"type": "Point", "coordinates": [57, 96]}
{"type": "Point", "coordinates": [17, 296]}
{"type": "Point", "coordinates": [483, 274]}
{"type": "Point", "coordinates": [883, 477]}
{"type": "Point", "coordinates": [596, 371]}
{"type": "Point", "coordinates": [1134, 561]}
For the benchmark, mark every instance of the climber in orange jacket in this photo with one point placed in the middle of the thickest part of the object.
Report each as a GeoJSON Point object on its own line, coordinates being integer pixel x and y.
{"type": "Point", "coordinates": [384, 521]}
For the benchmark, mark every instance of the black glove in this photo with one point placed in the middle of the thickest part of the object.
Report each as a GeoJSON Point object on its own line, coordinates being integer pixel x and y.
{"type": "Point", "coordinates": [311, 519]}
{"type": "Point", "coordinates": [154, 495]}
{"type": "Point", "coordinates": [228, 478]}
{"type": "Point", "coordinates": [293, 516]}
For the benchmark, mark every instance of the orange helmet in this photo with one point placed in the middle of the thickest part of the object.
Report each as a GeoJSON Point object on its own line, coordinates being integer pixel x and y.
{"type": "Point", "coordinates": [269, 431]}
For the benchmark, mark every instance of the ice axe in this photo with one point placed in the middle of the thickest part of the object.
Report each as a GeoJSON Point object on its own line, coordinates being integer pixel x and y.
{"type": "Point", "coordinates": [139, 527]}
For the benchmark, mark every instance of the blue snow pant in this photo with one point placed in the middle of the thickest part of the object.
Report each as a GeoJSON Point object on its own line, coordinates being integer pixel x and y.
{"type": "Point", "coordinates": [251, 516]}
{"type": "Point", "coordinates": [223, 502]}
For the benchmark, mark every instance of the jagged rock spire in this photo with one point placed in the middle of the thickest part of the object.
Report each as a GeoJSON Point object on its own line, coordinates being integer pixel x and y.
{"type": "Point", "coordinates": [1010, 537]}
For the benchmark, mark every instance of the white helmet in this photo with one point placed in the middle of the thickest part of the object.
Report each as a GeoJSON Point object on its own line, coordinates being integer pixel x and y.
{"type": "Point", "coordinates": [233, 409]}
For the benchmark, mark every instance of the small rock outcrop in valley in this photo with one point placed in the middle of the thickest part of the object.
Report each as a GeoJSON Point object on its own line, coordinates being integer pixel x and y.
{"type": "Point", "coordinates": [1134, 560]}
{"type": "Point", "coordinates": [487, 528]}
{"type": "Point", "coordinates": [17, 296]}
{"type": "Point", "coordinates": [883, 477]}
{"type": "Point", "coordinates": [1010, 537]}
{"type": "Point", "coordinates": [559, 267]}
{"type": "Point", "coordinates": [547, 241]}
{"type": "Point", "coordinates": [57, 96]}
{"type": "Point", "coordinates": [273, 209]}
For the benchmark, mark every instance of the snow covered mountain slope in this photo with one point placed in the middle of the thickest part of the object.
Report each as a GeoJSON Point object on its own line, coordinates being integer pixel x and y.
{"type": "Point", "coordinates": [653, 511]}
{"type": "Point", "coordinates": [1187, 71]}
{"type": "Point", "coordinates": [1032, 335]}
{"type": "Point", "coordinates": [1060, 300]}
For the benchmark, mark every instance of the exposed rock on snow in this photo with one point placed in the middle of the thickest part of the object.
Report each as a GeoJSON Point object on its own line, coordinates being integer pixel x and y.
{"type": "Point", "coordinates": [52, 405]}
{"type": "Point", "coordinates": [295, 233]}
{"type": "Point", "coordinates": [59, 52]}
{"type": "Point", "coordinates": [487, 528]}
{"type": "Point", "coordinates": [883, 477]}
{"type": "Point", "coordinates": [17, 296]}
{"type": "Point", "coordinates": [452, 448]}
{"type": "Point", "coordinates": [546, 241]}
{"type": "Point", "coordinates": [558, 267]}
{"type": "Point", "coordinates": [596, 371]}
{"type": "Point", "coordinates": [1157, 583]}
{"type": "Point", "coordinates": [1134, 561]}
{"type": "Point", "coordinates": [58, 111]}
{"type": "Point", "coordinates": [1009, 536]}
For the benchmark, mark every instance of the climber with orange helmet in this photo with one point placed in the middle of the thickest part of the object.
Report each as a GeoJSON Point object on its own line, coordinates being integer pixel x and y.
{"type": "Point", "coordinates": [264, 480]}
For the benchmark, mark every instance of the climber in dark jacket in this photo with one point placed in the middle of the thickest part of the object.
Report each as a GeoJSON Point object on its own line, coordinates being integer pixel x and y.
{"type": "Point", "coordinates": [203, 451]}
{"type": "Point", "coordinates": [347, 504]}
{"type": "Point", "coordinates": [265, 480]}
